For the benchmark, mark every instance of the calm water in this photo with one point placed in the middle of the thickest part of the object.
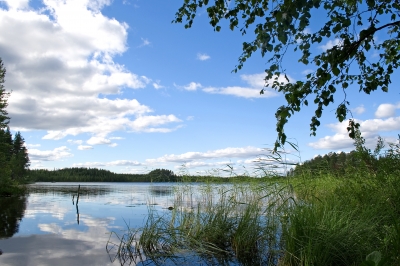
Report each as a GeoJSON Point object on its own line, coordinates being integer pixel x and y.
{"type": "Point", "coordinates": [49, 228]}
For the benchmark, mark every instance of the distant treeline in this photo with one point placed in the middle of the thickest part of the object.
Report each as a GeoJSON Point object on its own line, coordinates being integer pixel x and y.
{"type": "Point", "coordinates": [76, 174]}
{"type": "Point", "coordinates": [359, 160]}
{"type": "Point", "coordinates": [100, 175]}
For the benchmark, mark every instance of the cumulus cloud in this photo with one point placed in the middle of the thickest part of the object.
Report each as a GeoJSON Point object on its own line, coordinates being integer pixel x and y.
{"type": "Point", "coordinates": [256, 83]}
{"type": "Point", "coordinates": [337, 141]}
{"type": "Point", "coordinates": [386, 110]}
{"type": "Point", "coordinates": [49, 155]}
{"type": "Point", "coordinates": [203, 57]}
{"type": "Point", "coordinates": [216, 159]}
{"type": "Point", "coordinates": [222, 153]}
{"type": "Point", "coordinates": [192, 86]}
{"type": "Point", "coordinates": [57, 67]}
{"type": "Point", "coordinates": [370, 130]}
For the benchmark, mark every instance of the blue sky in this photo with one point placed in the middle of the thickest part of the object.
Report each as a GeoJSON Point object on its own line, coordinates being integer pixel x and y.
{"type": "Point", "coordinates": [116, 85]}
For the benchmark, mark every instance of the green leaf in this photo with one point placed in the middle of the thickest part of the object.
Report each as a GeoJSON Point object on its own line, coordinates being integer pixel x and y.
{"type": "Point", "coordinates": [375, 256]}
{"type": "Point", "coordinates": [335, 71]}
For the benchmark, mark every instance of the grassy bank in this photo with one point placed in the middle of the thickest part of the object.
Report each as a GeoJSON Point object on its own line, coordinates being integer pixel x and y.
{"type": "Point", "coordinates": [319, 220]}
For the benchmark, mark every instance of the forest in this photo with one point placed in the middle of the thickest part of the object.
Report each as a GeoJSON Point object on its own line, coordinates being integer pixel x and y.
{"type": "Point", "coordinates": [76, 174]}
{"type": "Point", "coordinates": [14, 159]}
{"type": "Point", "coordinates": [376, 162]}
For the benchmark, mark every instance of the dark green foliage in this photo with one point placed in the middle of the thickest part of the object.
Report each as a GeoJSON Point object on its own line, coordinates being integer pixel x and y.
{"type": "Point", "coordinates": [4, 119]}
{"type": "Point", "coordinates": [360, 160]}
{"type": "Point", "coordinates": [99, 175]}
{"type": "Point", "coordinates": [162, 175]}
{"type": "Point", "coordinates": [280, 25]}
{"type": "Point", "coordinates": [19, 159]}
{"type": "Point", "coordinates": [14, 158]}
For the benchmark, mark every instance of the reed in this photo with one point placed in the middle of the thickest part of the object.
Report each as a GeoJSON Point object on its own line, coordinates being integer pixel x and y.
{"type": "Point", "coordinates": [226, 223]}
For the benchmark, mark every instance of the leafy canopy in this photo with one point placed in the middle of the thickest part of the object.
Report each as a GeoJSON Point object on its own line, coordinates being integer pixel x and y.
{"type": "Point", "coordinates": [282, 24]}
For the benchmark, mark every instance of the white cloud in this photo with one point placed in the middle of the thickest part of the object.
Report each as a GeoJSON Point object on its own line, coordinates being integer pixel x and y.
{"type": "Point", "coordinates": [98, 141]}
{"type": "Point", "coordinates": [203, 57]}
{"type": "Point", "coordinates": [379, 125]}
{"type": "Point", "coordinates": [386, 110]}
{"type": "Point", "coordinates": [157, 85]}
{"type": "Point", "coordinates": [57, 67]}
{"type": "Point", "coordinates": [32, 145]}
{"type": "Point", "coordinates": [112, 163]}
{"type": "Point", "coordinates": [49, 155]}
{"type": "Point", "coordinates": [189, 118]}
{"type": "Point", "coordinates": [210, 159]}
{"type": "Point", "coordinates": [359, 109]}
{"type": "Point", "coordinates": [83, 147]}
{"type": "Point", "coordinates": [256, 82]}
{"type": "Point", "coordinates": [222, 153]}
{"type": "Point", "coordinates": [148, 123]}
{"type": "Point", "coordinates": [370, 129]}
{"type": "Point", "coordinates": [192, 86]}
{"type": "Point", "coordinates": [330, 44]}
{"type": "Point", "coordinates": [337, 141]}
{"type": "Point", "coordinates": [240, 92]}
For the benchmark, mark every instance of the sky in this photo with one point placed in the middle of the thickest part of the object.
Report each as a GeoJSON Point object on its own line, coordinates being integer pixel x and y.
{"type": "Point", "coordinates": [115, 85]}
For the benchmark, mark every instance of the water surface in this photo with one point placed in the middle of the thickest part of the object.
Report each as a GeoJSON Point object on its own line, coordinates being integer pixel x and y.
{"type": "Point", "coordinates": [47, 227]}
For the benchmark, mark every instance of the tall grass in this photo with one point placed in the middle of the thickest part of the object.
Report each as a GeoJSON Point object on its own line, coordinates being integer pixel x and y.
{"type": "Point", "coordinates": [222, 224]}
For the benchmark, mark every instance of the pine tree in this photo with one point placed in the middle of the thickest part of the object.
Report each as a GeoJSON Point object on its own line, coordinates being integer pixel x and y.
{"type": "Point", "coordinates": [4, 119]}
{"type": "Point", "coordinates": [14, 159]}
{"type": "Point", "coordinates": [5, 135]}
{"type": "Point", "coordinates": [20, 158]}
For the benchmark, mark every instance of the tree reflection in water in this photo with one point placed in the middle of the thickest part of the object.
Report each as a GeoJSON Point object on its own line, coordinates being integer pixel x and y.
{"type": "Point", "coordinates": [12, 211]}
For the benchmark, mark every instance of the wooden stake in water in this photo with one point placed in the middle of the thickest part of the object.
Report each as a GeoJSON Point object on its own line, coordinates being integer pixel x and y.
{"type": "Point", "coordinates": [77, 213]}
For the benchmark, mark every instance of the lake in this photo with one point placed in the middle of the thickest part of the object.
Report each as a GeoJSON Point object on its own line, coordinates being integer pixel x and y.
{"type": "Point", "coordinates": [47, 227]}
{"type": "Point", "coordinates": [184, 223]}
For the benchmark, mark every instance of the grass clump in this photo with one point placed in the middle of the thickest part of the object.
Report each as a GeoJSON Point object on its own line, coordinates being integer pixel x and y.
{"type": "Point", "coordinates": [227, 224]}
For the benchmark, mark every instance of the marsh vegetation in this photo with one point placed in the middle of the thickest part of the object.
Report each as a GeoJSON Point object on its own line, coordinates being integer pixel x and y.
{"type": "Point", "coordinates": [311, 217]}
